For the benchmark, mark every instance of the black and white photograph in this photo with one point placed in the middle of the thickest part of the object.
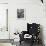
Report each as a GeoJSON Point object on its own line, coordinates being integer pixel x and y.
{"type": "Point", "coordinates": [21, 14]}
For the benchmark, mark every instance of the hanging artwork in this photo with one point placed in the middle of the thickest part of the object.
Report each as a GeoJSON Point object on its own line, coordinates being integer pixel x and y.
{"type": "Point", "coordinates": [20, 13]}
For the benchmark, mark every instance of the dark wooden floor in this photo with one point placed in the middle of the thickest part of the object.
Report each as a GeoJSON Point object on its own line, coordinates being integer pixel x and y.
{"type": "Point", "coordinates": [29, 44]}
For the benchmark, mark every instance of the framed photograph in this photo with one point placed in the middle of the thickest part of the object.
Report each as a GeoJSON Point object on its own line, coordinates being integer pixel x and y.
{"type": "Point", "coordinates": [21, 13]}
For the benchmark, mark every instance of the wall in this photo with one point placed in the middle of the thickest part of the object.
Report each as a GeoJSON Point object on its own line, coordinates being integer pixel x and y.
{"type": "Point", "coordinates": [3, 1]}
{"type": "Point", "coordinates": [34, 12]}
{"type": "Point", "coordinates": [3, 21]}
{"type": "Point", "coordinates": [4, 34]}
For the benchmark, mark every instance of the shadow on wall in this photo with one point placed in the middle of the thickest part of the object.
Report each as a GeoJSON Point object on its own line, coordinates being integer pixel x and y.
{"type": "Point", "coordinates": [41, 34]}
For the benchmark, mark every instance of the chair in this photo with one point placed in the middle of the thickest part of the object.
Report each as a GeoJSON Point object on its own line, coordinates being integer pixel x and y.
{"type": "Point", "coordinates": [33, 30]}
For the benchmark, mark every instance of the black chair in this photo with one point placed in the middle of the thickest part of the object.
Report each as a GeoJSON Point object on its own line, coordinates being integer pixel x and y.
{"type": "Point", "coordinates": [32, 29]}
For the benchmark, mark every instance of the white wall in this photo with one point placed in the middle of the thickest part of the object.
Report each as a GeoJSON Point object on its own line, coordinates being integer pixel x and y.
{"type": "Point", "coordinates": [34, 12]}
{"type": "Point", "coordinates": [4, 34]}
{"type": "Point", "coordinates": [3, 21]}
{"type": "Point", "coordinates": [3, 1]}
